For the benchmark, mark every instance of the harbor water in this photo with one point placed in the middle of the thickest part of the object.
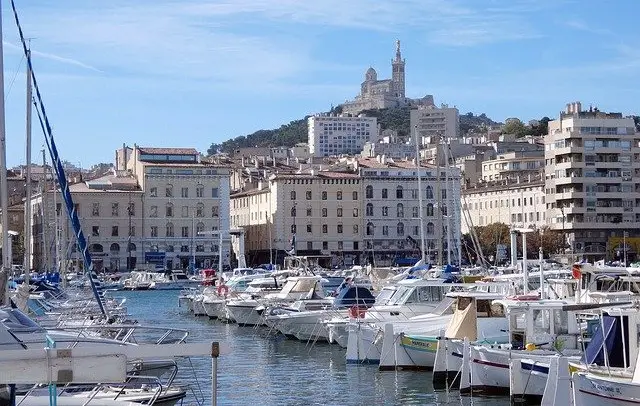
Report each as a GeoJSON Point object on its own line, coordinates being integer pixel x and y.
{"type": "Point", "coordinates": [264, 369]}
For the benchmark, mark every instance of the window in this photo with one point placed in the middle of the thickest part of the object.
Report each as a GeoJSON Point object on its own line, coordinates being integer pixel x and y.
{"type": "Point", "coordinates": [444, 193]}
{"type": "Point", "coordinates": [324, 212]}
{"type": "Point", "coordinates": [416, 230]}
{"type": "Point", "coordinates": [430, 228]}
{"type": "Point", "coordinates": [154, 231]}
{"type": "Point", "coordinates": [293, 195]}
{"type": "Point", "coordinates": [444, 210]}
{"type": "Point", "coordinates": [415, 212]}
{"type": "Point", "coordinates": [169, 191]}
{"type": "Point", "coordinates": [325, 245]}
{"type": "Point", "coordinates": [309, 228]}
{"type": "Point", "coordinates": [184, 248]}
{"type": "Point", "coordinates": [309, 245]}
{"type": "Point", "coordinates": [339, 228]}
{"type": "Point", "coordinates": [95, 231]}
{"type": "Point", "coordinates": [355, 195]}
{"type": "Point", "coordinates": [214, 192]}
{"type": "Point", "coordinates": [153, 192]}
{"type": "Point", "coordinates": [170, 230]}
{"type": "Point", "coordinates": [114, 209]}
{"type": "Point", "coordinates": [370, 228]}
{"type": "Point", "coordinates": [399, 192]}
{"type": "Point", "coordinates": [355, 212]}
{"type": "Point", "coordinates": [114, 231]}
{"type": "Point", "coordinates": [384, 193]}
{"type": "Point", "coordinates": [339, 195]}
{"type": "Point", "coordinates": [429, 192]}
{"type": "Point", "coordinates": [200, 210]}
{"type": "Point", "coordinates": [131, 209]}
{"type": "Point", "coordinates": [199, 191]}
{"type": "Point", "coordinates": [355, 245]}
{"type": "Point", "coordinates": [400, 210]}
{"type": "Point", "coordinates": [185, 231]}
{"type": "Point", "coordinates": [339, 211]}
{"type": "Point", "coordinates": [185, 192]}
{"type": "Point", "coordinates": [293, 228]}
{"type": "Point", "coordinates": [369, 210]}
{"type": "Point", "coordinates": [185, 211]}
{"type": "Point", "coordinates": [400, 229]}
{"type": "Point", "coordinates": [308, 194]}
{"type": "Point", "coordinates": [385, 211]}
{"type": "Point", "coordinates": [340, 245]}
{"type": "Point", "coordinates": [385, 230]}
{"type": "Point", "coordinates": [153, 211]}
{"type": "Point", "coordinates": [132, 231]}
{"type": "Point", "coordinates": [356, 229]}
{"type": "Point", "coordinates": [324, 195]}
{"type": "Point", "coordinates": [199, 248]}
{"type": "Point", "coordinates": [429, 210]}
{"type": "Point", "coordinates": [95, 211]}
{"type": "Point", "coordinates": [169, 210]}
{"type": "Point", "coordinates": [293, 211]}
{"type": "Point", "coordinates": [199, 229]}
{"type": "Point", "coordinates": [368, 192]}
{"type": "Point", "coordinates": [215, 211]}
{"type": "Point", "coordinates": [325, 229]}
{"type": "Point", "coordinates": [309, 211]}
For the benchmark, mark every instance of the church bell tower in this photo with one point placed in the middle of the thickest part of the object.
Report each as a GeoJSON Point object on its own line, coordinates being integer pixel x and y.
{"type": "Point", "coordinates": [397, 77]}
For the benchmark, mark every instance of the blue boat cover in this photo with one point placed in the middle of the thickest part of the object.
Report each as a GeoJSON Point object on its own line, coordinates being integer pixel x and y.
{"type": "Point", "coordinates": [594, 353]}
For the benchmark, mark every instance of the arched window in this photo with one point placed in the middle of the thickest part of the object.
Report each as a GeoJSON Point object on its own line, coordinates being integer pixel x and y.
{"type": "Point", "coordinates": [369, 192]}
{"type": "Point", "coordinates": [369, 210]}
{"type": "Point", "coordinates": [200, 210]}
{"type": "Point", "coordinates": [293, 195]}
{"type": "Point", "coordinates": [96, 248]}
{"type": "Point", "coordinates": [169, 210]}
{"type": "Point", "coordinates": [132, 246]}
{"type": "Point", "coordinates": [293, 211]}
{"type": "Point", "coordinates": [199, 228]}
{"type": "Point", "coordinates": [429, 210]}
{"type": "Point", "coordinates": [170, 232]}
{"type": "Point", "coordinates": [115, 247]}
{"type": "Point", "coordinates": [430, 228]}
{"type": "Point", "coordinates": [399, 192]}
{"type": "Point", "coordinates": [429, 192]}
{"type": "Point", "coordinates": [400, 229]}
{"type": "Point", "coordinates": [400, 210]}
{"type": "Point", "coordinates": [370, 228]}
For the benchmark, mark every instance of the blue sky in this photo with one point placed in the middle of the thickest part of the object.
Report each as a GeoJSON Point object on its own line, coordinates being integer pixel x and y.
{"type": "Point", "coordinates": [191, 72]}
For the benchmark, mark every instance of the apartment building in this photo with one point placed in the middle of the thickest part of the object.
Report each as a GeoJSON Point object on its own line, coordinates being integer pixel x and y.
{"type": "Point", "coordinates": [435, 123]}
{"type": "Point", "coordinates": [159, 206]}
{"type": "Point", "coordinates": [592, 168]}
{"type": "Point", "coordinates": [516, 202]}
{"type": "Point", "coordinates": [392, 211]}
{"type": "Point", "coordinates": [331, 135]}
{"type": "Point", "coordinates": [311, 213]}
{"type": "Point", "coordinates": [513, 165]}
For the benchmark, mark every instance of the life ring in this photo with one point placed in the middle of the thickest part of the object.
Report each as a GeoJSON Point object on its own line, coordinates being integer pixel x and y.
{"type": "Point", "coordinates": [221, 289]}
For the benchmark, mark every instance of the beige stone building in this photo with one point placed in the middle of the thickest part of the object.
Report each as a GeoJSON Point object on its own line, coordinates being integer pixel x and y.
{"type": "Point", "coordinates": [317, 213]}
{"type": "Point", "coordinates": [518, 203]}
{"type": "Point", "coordinates": [513, 165]}
{"type": "Point", "coordinates": [435, 123]}
{"type": "Point", "coordinates": [593, 182]}
{"type": "Point", "coordinates": [168, 203]}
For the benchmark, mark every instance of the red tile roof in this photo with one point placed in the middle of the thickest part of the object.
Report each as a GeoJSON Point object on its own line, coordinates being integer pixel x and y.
{"type": "Point", "coordinates": [173, 151]}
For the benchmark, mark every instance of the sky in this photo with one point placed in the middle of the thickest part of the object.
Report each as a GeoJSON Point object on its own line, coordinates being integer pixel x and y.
{"type": "Point", "coordinates": [186, 73]}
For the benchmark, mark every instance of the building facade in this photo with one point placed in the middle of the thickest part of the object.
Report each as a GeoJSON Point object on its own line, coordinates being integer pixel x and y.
{"type": "Point", "coordinates": [435, 123]}
{"type": "Point", "coordinates": [592, 168]}
{"type": "Point", "coordinates": [331, 135]}
{"type": "Point", "coordinates": [518, 203]}
{"type": "Point", "coordinates": [513, 165]}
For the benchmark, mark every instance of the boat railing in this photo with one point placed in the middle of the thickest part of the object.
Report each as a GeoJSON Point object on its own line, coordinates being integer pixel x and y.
{"type": "Point", "coordinates": [126, 333]}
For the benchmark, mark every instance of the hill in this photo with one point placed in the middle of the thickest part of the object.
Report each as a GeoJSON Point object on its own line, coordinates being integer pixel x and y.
{"type": "Point", "coordinates": [290, 134]}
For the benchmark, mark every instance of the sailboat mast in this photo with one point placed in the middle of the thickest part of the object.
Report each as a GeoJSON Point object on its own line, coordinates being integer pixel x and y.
{"type": "Point", "coordinates": [27, 205]}
{"type": "Point", "coordinates": [423, 253]}
{"type": "Point", "coordinates": [439, 202]}
{"type": "Point", "coordinates": [56, 231]}
{"type": "Point", "coordinates": [45, 221]}
{"type": "Point", "coordinates": [4, 191]}
{"type": "Point", "coordinates": [447, 198]}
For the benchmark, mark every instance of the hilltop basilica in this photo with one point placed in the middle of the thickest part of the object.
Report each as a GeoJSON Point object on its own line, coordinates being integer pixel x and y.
{"type": "Point", "coordinates": [380, 94]}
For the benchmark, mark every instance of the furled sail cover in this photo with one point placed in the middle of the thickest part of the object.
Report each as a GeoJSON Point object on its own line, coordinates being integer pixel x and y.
{"type": "Point", "coordinates": [464, 322]}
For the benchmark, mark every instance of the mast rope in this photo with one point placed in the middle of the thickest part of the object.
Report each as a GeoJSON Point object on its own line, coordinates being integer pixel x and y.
{"type": "Point", "coordinates": [59, 170]}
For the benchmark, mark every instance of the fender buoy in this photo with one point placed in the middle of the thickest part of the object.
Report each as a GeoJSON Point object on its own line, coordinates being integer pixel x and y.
{"type": "Point", "coordinates": [576, 271]}
{"type": "Point", "coordinates": [223, 290]}
{"type": "Point", "coordinates": [356, 312]}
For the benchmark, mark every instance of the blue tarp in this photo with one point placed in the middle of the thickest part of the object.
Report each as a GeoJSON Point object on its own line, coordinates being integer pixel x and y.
{"type": "Point", "coordinates": [594, 353]}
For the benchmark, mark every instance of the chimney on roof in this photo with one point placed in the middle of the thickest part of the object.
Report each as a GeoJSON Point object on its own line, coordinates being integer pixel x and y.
{"type": "Point", "coordinates": [264, 161]}
{"type": "Point", "coordinates": [383, 159]}
{"type": "Point", "coordinates": [242, 161]}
